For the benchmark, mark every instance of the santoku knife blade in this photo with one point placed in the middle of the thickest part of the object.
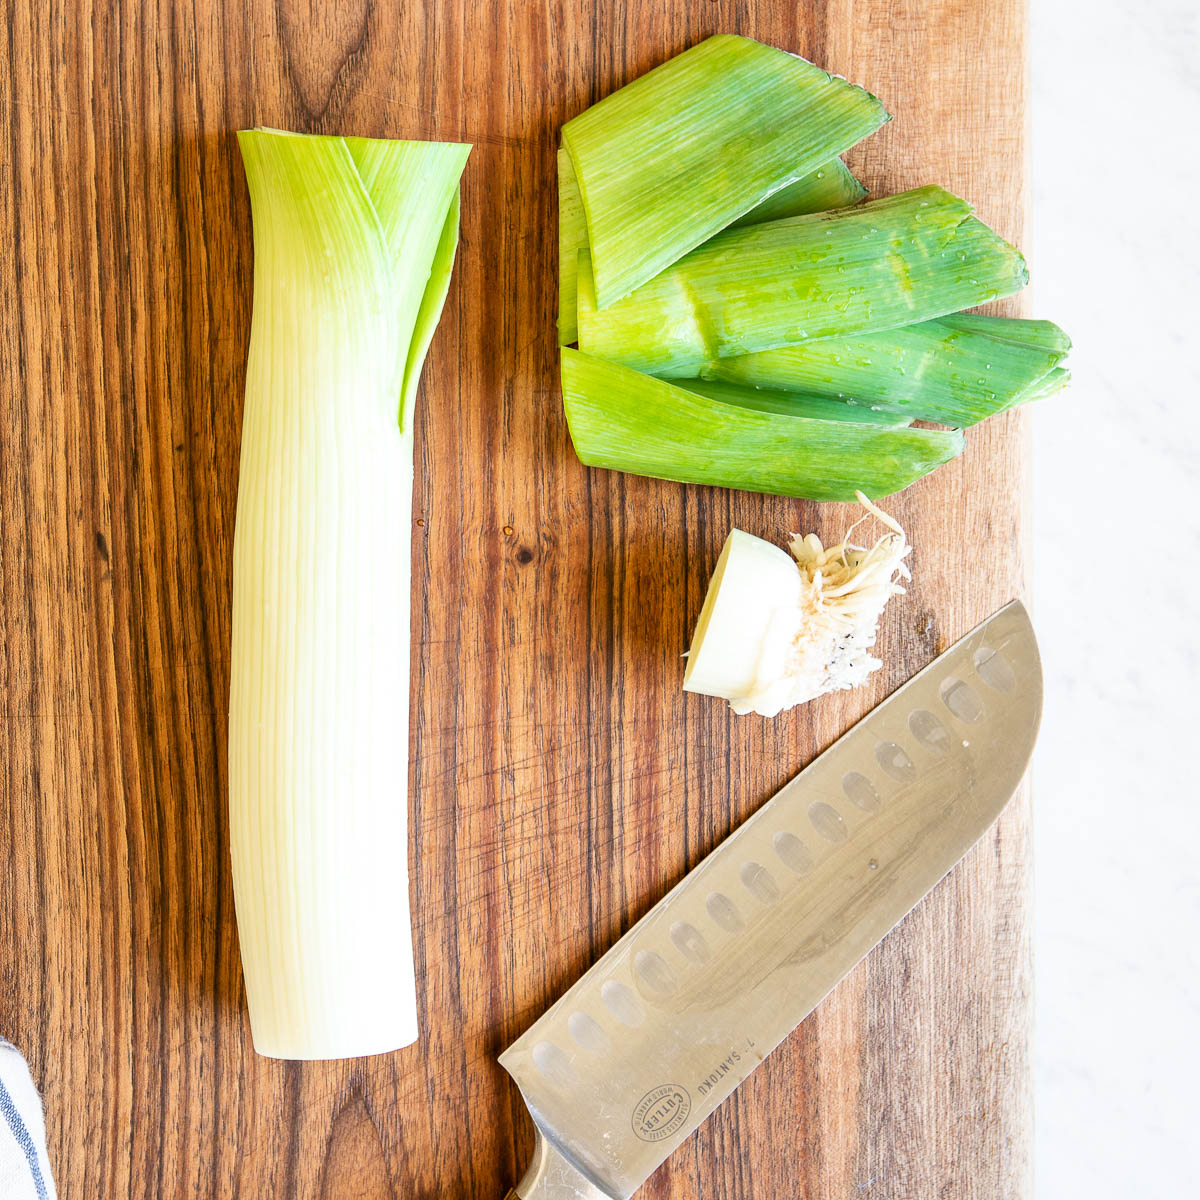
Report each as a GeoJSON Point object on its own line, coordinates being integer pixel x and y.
{"type": "Point", "coordinates": [665, 1026]}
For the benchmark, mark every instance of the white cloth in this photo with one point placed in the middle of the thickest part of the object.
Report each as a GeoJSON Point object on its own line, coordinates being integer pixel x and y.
{"type": "Point", "coordinates": [24, 1167]}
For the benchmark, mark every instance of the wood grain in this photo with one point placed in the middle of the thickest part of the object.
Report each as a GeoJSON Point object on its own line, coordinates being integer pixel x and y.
{"type": "Point", "coordinates": [561, 779]}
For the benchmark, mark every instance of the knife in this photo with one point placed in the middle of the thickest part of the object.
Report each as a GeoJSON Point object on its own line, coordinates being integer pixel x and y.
{"type": "Point", "coordinates": [646, 1045]}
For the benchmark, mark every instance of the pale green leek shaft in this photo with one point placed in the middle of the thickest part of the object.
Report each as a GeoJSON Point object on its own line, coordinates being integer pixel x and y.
{"type": "Point", "coordinates": [353, 243]}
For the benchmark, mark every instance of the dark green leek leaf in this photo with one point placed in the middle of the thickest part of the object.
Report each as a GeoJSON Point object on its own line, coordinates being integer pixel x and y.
{"type": "Point", "coordinates": [675, 156]}
{"type": "Point", "coordinates": [1013, 329]}
{"type": "Point", "coordinates": [627, 421]}
{"type": "Point", "coordinates": [951, 370]}
{"type": "Point", "coordinates": [884, 264]}
{"type": "Point", "coordinates": [831, 185]}
{"type": "Point", "coordinates": [795, 404]}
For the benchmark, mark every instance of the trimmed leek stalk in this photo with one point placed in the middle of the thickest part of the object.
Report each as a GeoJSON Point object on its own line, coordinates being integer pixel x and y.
{"type": "Point", "coordinates": [934, 371]}
{"type": "Point", "coordinates": [681, 152]}
{"type": "Point", "coordinates": [831, 185]}
{"type": "Point", "coordinates": [354, 241]}
{"type": "Point", "coordinates": [776, 631]}
{"type": "Point", "coordinates": [886, 263]}
{"type": "Point", "coordinates": [627, 421]}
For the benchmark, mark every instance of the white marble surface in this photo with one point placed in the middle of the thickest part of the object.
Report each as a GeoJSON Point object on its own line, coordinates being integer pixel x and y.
{"type": "Point", "coordinates": [1116, 260]}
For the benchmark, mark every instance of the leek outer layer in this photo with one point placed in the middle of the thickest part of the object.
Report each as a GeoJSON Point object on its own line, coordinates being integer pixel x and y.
{"type": "Point", "coordinates": [353, 240]}
{"type": "Point", "coordinates": [1045, 334]}
{"type": "Point", "coordinates": [626, 421]}
{"type": "Point", "coordinates": [432, 302]}
{"type": "Point", "coordinates": [948, 370]}
{"type": "Point", "coordinates": [887, 263]}
{"type": "Point", "coordinates": [795, 404]}
{"type": "Point", "coordinates": [572, 237]}
{"type": "Point", "coordinates": [683, 151]}
{"type": "Point", "coordinates": [831, 185]}
{"type": "Point", "coordinates": [1050, 385]}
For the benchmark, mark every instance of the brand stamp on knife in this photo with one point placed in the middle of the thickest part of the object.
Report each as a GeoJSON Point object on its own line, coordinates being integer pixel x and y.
{"type": "Point", "coordinates": [661, 1111]}
{"type": "Point", "coordinates": [721, 1070]}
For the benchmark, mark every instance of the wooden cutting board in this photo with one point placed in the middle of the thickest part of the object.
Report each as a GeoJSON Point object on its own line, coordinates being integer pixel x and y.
{"type": "Point", "coordinates": [562, 782]}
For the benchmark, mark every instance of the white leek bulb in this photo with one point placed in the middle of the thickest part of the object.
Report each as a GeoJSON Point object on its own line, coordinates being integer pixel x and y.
{"type": "Point", "coordinates": [777, 630]}
{"type": "Point", "coordinates": [353, 245]}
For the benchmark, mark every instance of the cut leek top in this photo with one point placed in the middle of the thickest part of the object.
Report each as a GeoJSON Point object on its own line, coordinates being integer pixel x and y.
{"type": "Point", "coordinates": [572, 237]}
{"type": "Point", "coordinates": [887, 263]}
{"type": "Point", "coordinates": [794, 403]}
{"type": "Point", "coordinates": [1013, 329]}
{"type": "Point", "coordinates": [628, 421]}
{"type": "Point", "coordinates": [831, 185]}
{"type": "Point", "coordinates": [956, 370]}
{"type": "Point", "coordinates": [802, 337]}
{"type": "Point", "coordinates": [680, 153]}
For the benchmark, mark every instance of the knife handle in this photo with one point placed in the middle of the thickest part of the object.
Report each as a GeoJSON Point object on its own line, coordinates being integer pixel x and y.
{"type": "Point", "coordinates": [551, 1177]}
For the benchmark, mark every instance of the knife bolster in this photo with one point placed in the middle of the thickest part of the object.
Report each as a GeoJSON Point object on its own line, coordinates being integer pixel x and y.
{"type": "Point", "coordinates": [551, 1177]}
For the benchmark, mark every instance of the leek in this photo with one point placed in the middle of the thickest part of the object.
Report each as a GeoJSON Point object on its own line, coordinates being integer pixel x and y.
{"type": "Point", "coordinates": [572, 237]}
{"type": "Point", "coordinates": [627, 421]}
{"type": "Point", "coordinates": [952, 371]}
{"type": "Point", "coordinates": [831, 185]}
{"type": "Point", "coordinates": [675, 156]}
{"type": "Point", "coordinates": [1045, 334]}
{"type": "Point", "coordinates": [432, 303]}
{"type": "Point", "coordinates": [1050, 385]}
{"type": "Point", "coordinates": [887, 263]}
{"type": "Point", "coordinates": [354, 241]}
{"type": "Point", "coordinates": [795, 404]}
{"type": "Point", "coordinates": [778, 630]}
